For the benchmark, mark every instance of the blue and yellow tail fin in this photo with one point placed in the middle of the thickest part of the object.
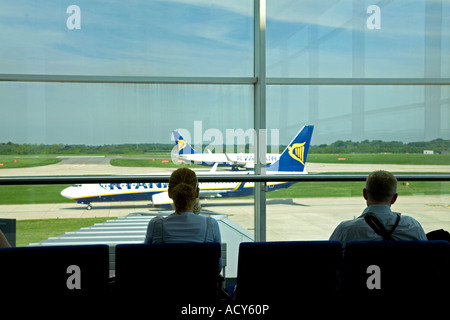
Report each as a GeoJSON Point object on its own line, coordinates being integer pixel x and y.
{"type": "Point", "coordinates": [183, 146]}
{"type": "Point", "coordinates": [293, 158]}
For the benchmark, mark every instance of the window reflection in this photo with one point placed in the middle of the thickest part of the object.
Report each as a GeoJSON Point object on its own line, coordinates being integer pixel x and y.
{"type": "Point", "coordinates": [338, 39]}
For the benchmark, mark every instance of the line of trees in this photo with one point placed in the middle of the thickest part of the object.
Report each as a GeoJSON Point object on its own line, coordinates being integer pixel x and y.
{"type": "Point", "coordinates": [42, 149]}
{"type": "Point", "coordinates": [366, 146]}
{"type": "Point", "coordinates": [378, 146]}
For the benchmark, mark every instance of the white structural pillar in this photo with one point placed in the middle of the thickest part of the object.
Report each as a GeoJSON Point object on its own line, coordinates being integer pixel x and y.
{"type": "Point", "coordinates": [260, 116]}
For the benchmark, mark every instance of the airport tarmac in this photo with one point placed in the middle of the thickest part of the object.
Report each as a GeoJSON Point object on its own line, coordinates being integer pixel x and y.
{"type": "Point", "coordinates": [287, 219]}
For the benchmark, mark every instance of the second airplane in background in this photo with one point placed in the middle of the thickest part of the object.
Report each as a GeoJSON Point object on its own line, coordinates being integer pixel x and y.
{"type": "Point", "coordinates": [188, 154]}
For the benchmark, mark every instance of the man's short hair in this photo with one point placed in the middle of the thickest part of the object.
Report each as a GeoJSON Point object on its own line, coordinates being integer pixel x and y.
{"type": "Point", "coordinates": [381, 185]}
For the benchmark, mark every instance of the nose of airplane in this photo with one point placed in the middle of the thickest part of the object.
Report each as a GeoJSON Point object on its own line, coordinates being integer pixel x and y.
{"type": "Point", "coordinates": [67, 193]}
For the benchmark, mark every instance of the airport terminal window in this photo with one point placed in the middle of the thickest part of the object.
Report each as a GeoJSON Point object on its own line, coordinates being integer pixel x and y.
{"type": "Point", "coordinates": [357, 113]}
{"type": "Point", "coordinates": [112, 62]}
{"type": "Point", "coordinates": [360, 39]}
{"type": "Point", "coordinates": [313, 49]}
{"type": "Point", "coordinates": [107, 114]}
{"type": "Point", "coordinates": [145, 38]}
{"type": "Point", "coordinates": [380, 127]}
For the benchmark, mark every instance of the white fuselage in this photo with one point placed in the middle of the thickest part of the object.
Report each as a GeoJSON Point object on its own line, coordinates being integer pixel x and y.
{"type": "Point", "coordinates": [243, 160]}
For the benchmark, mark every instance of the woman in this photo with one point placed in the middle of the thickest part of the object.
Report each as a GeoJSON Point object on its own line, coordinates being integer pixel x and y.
{"type": "Point", "coordinates": [183, 225]}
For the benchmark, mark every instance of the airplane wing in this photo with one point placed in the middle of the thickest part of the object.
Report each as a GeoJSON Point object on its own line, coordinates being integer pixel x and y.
{"type": "Point", "coordinates": [214, 168]}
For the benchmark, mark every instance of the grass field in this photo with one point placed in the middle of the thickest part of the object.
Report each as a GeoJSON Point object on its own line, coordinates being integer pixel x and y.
{"type": "Point", "coordinates": [51, 193]}
{"type": "Point", "coordinates": [381, 158]}
{"type": "Point", "coordinates": [30, 231]}
{"type": "Point", "coordinates": [32, 194]}
{"type": "Point", "coordinates": [11, 162]}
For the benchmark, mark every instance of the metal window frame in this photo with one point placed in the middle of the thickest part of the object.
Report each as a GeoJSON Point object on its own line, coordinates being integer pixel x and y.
{"type": "Point", "coordinates": [124, 79]}
{"type": "Point", "coordinates": [260, 117]}
{"type": "Point", "coordinates": [257, 80]}
{"type": "Point", "coordinates": [360, 81]}
{"type": "Point", "coordinates": [262, 178]}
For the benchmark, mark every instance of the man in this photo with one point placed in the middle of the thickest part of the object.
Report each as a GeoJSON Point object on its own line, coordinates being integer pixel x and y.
{"type": "Point", "coordinates": [380, 193]}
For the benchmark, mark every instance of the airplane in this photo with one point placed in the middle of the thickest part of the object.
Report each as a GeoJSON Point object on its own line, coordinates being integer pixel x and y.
{"type": "Point", "coordinates": [291, 161]}
{"type": "Point", "coordinates": [186, 153]}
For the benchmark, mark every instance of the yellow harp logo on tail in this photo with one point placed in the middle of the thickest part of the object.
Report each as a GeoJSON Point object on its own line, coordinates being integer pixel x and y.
{"type": "Point", "coordinates": [297, 152]}
{"type": "Point", "coordinates": [181, 144]}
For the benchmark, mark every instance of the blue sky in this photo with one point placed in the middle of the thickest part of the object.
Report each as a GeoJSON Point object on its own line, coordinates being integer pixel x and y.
{"type": "Point", "coordinates": [215, 38]}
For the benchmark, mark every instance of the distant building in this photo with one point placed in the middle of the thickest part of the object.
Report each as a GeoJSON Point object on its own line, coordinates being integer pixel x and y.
{"type": "Point", "coordinates": [428, 152]}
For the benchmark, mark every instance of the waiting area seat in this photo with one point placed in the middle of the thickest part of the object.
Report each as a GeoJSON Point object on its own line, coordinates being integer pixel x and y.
{"type": "Point", "coordinates": [169, 273]}
{"type": "Point", "coordinates": [289, 276]}
{"type": "Point", "coordinates": [413, 275]}
{"type": "Point", "coordinates": [54, 274]}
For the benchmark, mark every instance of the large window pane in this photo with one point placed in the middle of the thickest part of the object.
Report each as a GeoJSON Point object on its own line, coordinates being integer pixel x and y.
{"type": "Point", "coordinates": [366, 128]}
{"type": "Point", "coordinates": [306, 217]}
{"type": "Point", "coordinates": [138, 38]}
{"type": "Point", "coordinates": [388, 113]}
{"type": "Point", "coordinates": [341, 39]}
{"type": "Point", "coordinates": [99, 114]}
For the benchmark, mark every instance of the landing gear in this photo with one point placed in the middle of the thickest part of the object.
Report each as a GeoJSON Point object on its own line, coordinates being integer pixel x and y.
{"type": "Point", "coordinates": [89, 206]}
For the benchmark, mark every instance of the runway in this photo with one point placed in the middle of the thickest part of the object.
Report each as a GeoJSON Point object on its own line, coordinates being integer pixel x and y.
{"type": "Point", "coordinates": [75, 166]}
{"type": "Point", "coordinates": [101, 166]}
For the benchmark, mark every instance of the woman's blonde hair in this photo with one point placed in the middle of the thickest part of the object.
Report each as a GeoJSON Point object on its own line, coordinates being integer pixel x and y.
{"type": "Point", "coordinates": [183, 186]}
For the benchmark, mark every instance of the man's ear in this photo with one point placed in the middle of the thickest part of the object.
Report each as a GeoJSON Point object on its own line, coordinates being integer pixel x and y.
{"type": "Point", "coordinates": [197, 192]}
{"type": "Point", "coordinates": [394, 198]}
{"type": "Point", "coordinates": [365, 193]}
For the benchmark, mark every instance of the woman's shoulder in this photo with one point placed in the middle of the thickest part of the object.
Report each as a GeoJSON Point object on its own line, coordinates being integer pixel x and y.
{"type": "Point", "coordinates": [199, 218]}
{"type": "Point", "coordinates": [157, 219]}
{"type": "Point", "coordinates": [212, 222]}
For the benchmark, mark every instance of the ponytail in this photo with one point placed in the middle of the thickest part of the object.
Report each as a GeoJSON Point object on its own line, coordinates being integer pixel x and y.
{"type": "Point", "coordinates": [182, 195]}
{"type": "Point", "coordinates": [183, 188]}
